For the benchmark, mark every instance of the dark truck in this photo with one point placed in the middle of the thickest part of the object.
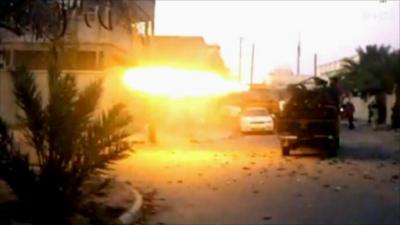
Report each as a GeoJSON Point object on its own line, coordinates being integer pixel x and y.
{"type": "Point", "coordinates": [310, 117]}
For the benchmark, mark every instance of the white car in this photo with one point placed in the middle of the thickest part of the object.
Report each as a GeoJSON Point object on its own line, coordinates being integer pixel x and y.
{"type": "Point", "coordinates": [256, 119]}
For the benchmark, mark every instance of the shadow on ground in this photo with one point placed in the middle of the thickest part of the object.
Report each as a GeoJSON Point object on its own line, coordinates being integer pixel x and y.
{"type": "Point", "coordinates": [364, 143]}
{"type": "Point", "coordinates": [367, 153]}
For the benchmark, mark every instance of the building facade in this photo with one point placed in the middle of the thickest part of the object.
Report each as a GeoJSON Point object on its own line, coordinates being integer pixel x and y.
{"type": "Point", "coordinates": [186, 52]}
{"type": "Point", "coordinates": [282, 77]}
{"type": "Point", "coordinates": [331, 69]}
{"type": "Point", "coordinates": [88, 52]}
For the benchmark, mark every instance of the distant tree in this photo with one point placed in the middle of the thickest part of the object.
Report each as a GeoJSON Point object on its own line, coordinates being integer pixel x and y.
{"type": "Point", "coordinates": [68, 145]}
{"type": "Point", "coordinates": [371, 75]}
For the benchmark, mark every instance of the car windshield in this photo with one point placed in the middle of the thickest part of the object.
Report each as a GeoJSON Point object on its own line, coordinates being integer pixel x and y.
{"type": "Point", "coordinates": [255, 112]}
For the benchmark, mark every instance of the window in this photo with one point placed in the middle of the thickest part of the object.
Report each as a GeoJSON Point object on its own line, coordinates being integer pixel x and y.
{"type": "Point", "coordinates": [70, 60]}
{"type": "Point", "coordinates": [255, 112]}
{"type": "Point", "coordinates": [78, 60]}
{"type": "Point", "coordinates": [35, 60]}
{"type": "Point", "coordinates": [86, 60]}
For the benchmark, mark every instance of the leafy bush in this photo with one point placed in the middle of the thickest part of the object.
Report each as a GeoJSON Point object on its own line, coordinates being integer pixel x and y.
{"type": "Point", "coordinates": [69, 145]}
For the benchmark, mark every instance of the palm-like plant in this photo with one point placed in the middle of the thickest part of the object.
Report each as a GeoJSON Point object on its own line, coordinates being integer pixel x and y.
{"type": "Point", "coordinates": [371, 75]}
{"type": "Point", "coordinates": [69, 145]}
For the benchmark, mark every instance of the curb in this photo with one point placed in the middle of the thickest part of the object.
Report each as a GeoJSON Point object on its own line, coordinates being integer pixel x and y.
{"type": "Point", "coordinates": [134, 213]}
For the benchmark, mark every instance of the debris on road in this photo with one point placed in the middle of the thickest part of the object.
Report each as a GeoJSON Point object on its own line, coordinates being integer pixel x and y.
{"type": "Point", "coordinates": [381, 165]}
{"type": "Point", "coordinates": [299, 195]}
{"type": "Point", "coordinates": [315, 178]}
{"type": "Point", "coordinates": [258, 177]}
{"type": "Point", "coordinates": [281, 169]}
{"type": "Point", "coordinates": [368, 176]}
{"type": "Point", "coordinates": [267, 218]}
{"type": "Point", "coordinates": [338, 188]}
{"type": "Point", "coordinates": [300, 166]}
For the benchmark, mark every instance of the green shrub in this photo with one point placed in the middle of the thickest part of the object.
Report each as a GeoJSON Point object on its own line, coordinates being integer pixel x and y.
{"type": "Point", "coordinates": [70, 145]}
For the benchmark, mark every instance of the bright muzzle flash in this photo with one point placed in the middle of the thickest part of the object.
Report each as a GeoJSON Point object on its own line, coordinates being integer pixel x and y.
{"type": "Point", "coordinates": [177, 83]}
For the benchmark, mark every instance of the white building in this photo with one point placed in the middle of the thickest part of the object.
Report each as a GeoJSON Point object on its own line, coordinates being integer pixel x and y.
{"type": "Point", "coordinates": [282, 77]}
{"type": "Point", "coordinates": [330, 69]}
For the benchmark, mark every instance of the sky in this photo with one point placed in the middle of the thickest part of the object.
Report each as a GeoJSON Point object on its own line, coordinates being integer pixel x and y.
{"type": "Point", "coordinates": [330, 29]}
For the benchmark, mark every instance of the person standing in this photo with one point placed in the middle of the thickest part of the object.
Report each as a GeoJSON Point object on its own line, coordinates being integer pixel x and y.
{"type": "Point", "coordinates": [349, 107]}
{"type": "Point", "coordinates": [370, 113]}
{"type": "Point", "coordinates": [374, 119]}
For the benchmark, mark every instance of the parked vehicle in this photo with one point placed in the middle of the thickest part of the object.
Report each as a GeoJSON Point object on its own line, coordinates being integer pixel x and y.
{"type": "Point", "coordinates": [255, 119]}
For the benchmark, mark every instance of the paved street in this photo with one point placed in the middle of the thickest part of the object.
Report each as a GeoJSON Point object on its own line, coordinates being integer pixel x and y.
{"type": "Point", "coordinates": [245, 180]}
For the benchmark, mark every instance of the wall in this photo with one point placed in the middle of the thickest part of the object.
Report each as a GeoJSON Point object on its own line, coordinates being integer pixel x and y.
{"type": "Point", "coordinates": [132, 11]}
{"type": "Point", "coordinates": [115, 46]}
{"type": "Point", "coordinates": [114, 91]}
{"type": "Point", "coordinates": [183, 52]}
{"type": "Point", "coordinates": [361, 107]}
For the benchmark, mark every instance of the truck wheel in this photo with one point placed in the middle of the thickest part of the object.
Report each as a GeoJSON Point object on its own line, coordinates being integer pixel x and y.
{"type": "Point", "coordinates": [285, 147]}
{"type": "Point", "coordinates": [285, 151]}
{"type": "Point", "coordinates": [332, 153]}
{"type": "Point", "coordinates": [332, 147]}
{"type": "Point", "coordinates": [336, 143]}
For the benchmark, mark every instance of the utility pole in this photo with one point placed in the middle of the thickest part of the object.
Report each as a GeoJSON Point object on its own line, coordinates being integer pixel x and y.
{"type": "Point", "coordinates": [298, 56]}
{"type": "Point", "coordinates": [252, 65]}
{"type": "Point", "coordinates": [315, 65]}
{"type": "Point", "coordinates": [240, 59]}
